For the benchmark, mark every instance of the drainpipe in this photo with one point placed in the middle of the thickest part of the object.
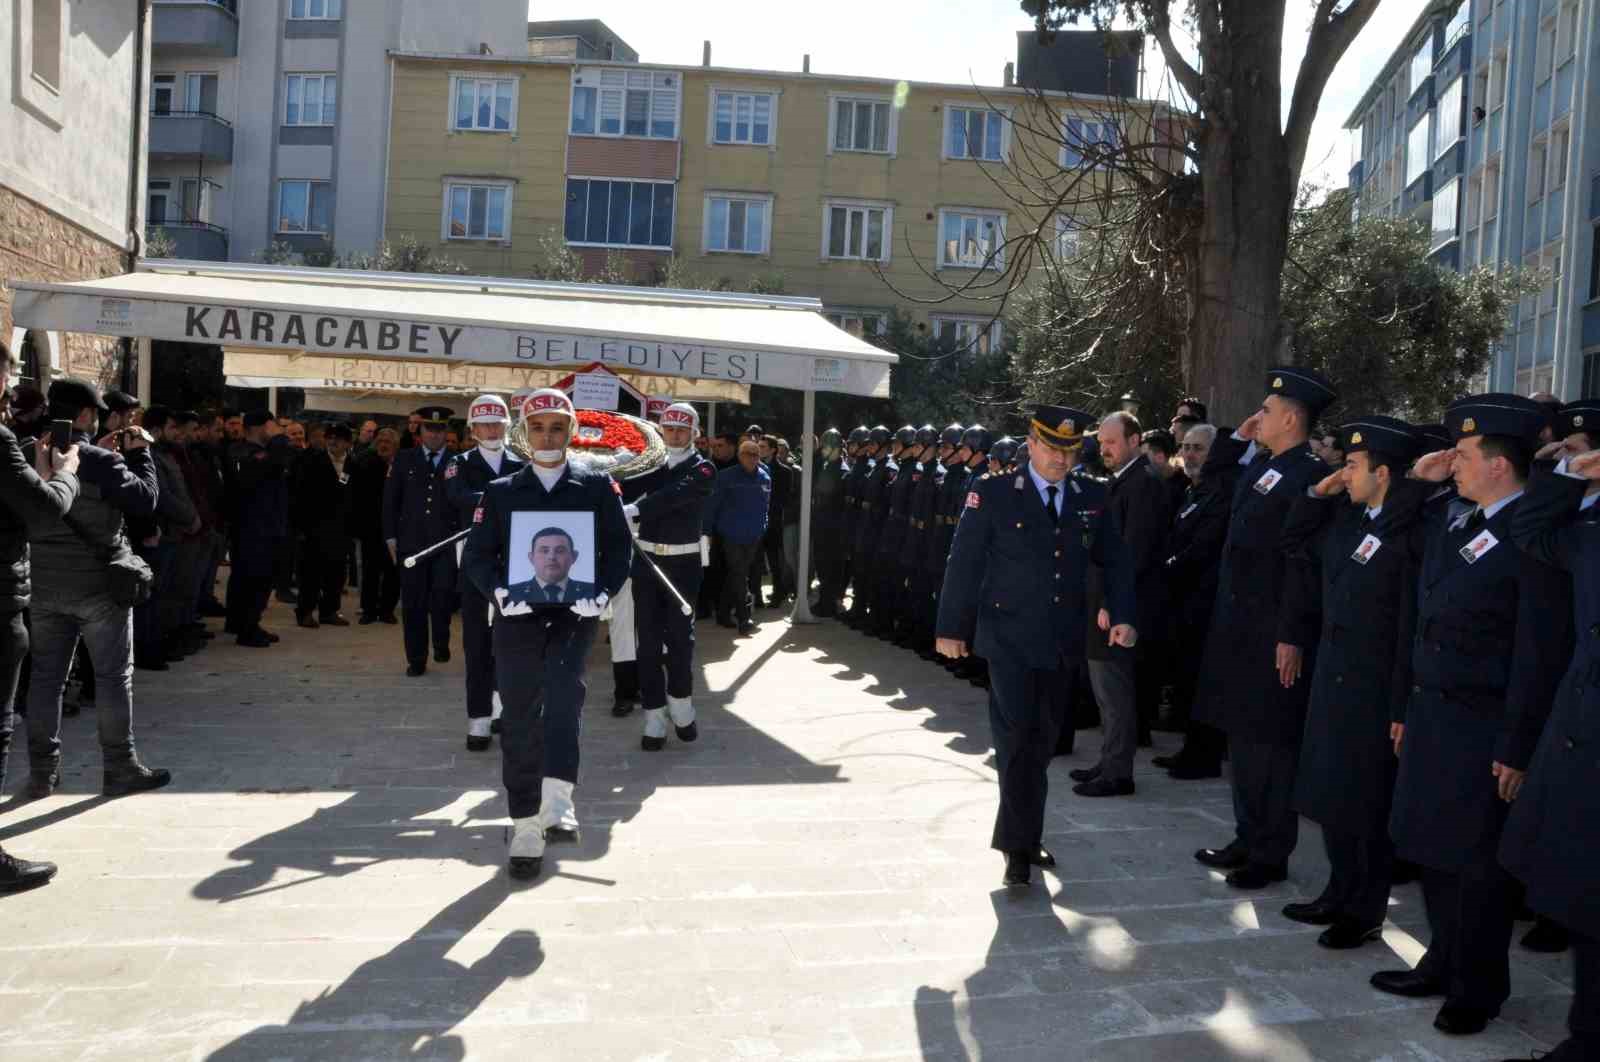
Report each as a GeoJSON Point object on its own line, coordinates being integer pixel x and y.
{"type": "Point", "coordinates": [131, 348]}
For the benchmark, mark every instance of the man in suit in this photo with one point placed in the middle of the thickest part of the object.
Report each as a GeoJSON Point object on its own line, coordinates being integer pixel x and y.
{"type": "Point", "coordinates": [552, 553]}
{"type": "Point", "coordinates": [1261, 652]}
{"type": "Point", "coordinates": [465, 479]}
{"type": "Point", "coordinates": [1465, 745]}
{"type": "Point", "coordinates": [416, 515]}
{"type": "Point", "coordinates": [319, 512]}
{"type": "Point", "coordinates": [1014, 592]}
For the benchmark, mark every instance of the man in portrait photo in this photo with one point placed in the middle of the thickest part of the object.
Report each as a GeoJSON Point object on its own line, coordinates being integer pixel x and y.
{"type": "Point", "coordinates": [552, 553]}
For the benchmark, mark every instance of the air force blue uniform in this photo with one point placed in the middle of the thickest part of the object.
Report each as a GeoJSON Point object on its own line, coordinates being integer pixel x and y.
{"type": "Point", "coordinates": [465, 480]}
{"type": "Point", "coordinates": [671, 502]}
{"type": "Point", "coordinates": [416, 514]}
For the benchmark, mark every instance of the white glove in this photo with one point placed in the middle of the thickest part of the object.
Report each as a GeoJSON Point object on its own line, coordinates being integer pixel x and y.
{"type": "Point", "coordinates": [591, 607]}
{"type": "Point", "coordinates": [631, 511]}
{"type": "Point", "coordinates": [520, 608]}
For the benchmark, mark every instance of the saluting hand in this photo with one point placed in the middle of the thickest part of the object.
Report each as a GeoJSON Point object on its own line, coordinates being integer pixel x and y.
{"type": "Point", "coordinates": [954, 648]}
{"type": "Point", "coordinates": [1434, 467]}
{"type": "Point", "coordinates": [1551, 451]}
{"type": "Point", "coordinates": [1585, 465]}
{"type": "Point", "coordinates": [1510, 780]}
{"type": "Point", "coordinates": [1330, 487]}
{"type": "Point", "coordinates": [1251, 427]}
{"type": "Point", "coordinates": [1290, 660]}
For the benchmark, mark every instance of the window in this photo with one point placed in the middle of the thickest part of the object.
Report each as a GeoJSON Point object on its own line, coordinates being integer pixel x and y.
{"type": "Point", "coordinates": [971, 240]}
{"type": "Point", "coordinates": [192, 192]}
{"type": "Point", "coordinates": [1566, 34]}
{"type": "Point", "coordinates": [1446, 204]}
{"type": "Point", "coordinates": [1480, 94]}
{"type": "Point", "coordinates": [315, 9]}
{"type": "Point", "coordinates": [973, 134]}
{"type": "Point", "coordinates": [1497, 81]}
{"type": "Point", "coordinates": [1087, 143]}
{"type": "Point", "coordinates": [157, 201]}
{"type": "Point", "coordinates": [858, 324]}
{"type": "Point", "coordinates": [737, 223]}
{"type": "Point", "coordinates": [1421, 64]}
{"type": "Point", "coordinates": [1550, 262]}
{"type": "Point", "coordinates": [1491, 191]}
{"type": "Point", "coordinates": [476, 211]}
{"type": "Point", "coordinates": [200, 93]}
{"type": "Point", "coordinates": [1459, 24]}
{"type": "Point", "coordinates": [742, 117]}
{"type": "Point", "coordinates": [484, 103]}
{"type": "Point", "coordinates": [1069, 241]}
{"type": "Point", "coordinates": [47, 42]}
{"type": "Point", "coordinates": [857, 230]}
{"type": "Point", "coordinates": [1560, 144]}
{"type": "Point", "coordinates": [1544, 60]}
{"type": "Point", "coordinates": [607, 102]}
{"type": "Point", "coordinates": [1447, 129]}
{"type": "Point", "coordinates": [619, 213]}
{"type": "Point", "coordinates": [1417, 150]}
{"type": "Point", "coordinates": [305, 206]}
{"type": "Point", "coordinates": [977, 335]}
{"type": "Point", "coordinates": [862, 125]}
{"type": "Point", "coordinates": [1536, 163]}
{"type": "Point", "coordinates": [163, 90]}
{"type": "Point", "coordinates": [310, 99]}
{"type": "Point", "coordinates": [1473, 208]}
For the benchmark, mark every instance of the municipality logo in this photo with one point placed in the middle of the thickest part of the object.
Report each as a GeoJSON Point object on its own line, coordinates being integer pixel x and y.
{"type": "Point", "coordinates": [115, 314]}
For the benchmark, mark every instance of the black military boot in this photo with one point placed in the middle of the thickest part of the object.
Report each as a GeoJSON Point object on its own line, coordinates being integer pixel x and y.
{"type": "Point", "coordinates": [131, 776]}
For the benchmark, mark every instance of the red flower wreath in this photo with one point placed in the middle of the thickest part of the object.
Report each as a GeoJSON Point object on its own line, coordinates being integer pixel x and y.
{"type": "Point", "coordinates": [602, 432]}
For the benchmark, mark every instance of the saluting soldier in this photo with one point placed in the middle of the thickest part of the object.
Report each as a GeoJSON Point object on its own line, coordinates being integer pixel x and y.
{"type": "Point", "coordinates": [829, 518]}
{"type": "Point", "coordinates": [1549, 836]}
{"type": "Point", "coordinates": [1015, 592]}
{"type": "Point", "coordinates": [1464, 747]}
{"type": "Point", "coordinates": [488, 418]}
{"type": "Point", "coordinates": [540, 650]}
{"type": "Point", "coordinates": [916, 628]}
{"type": "Point", "coordinates": [1359, 534]}
{"type": "Point", "coordinates": [1261, 651]}
{"type": "Point", "coordinates": [416, 514]}
{"type": "Point", "coordinates": [869, 525]}
{"type": "Point", "coordinates": [669, 506]}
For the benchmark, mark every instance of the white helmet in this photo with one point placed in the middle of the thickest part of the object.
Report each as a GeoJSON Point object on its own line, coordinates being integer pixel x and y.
{"type": "Point", "coordinates": [549, 400]}
{"type": "Point", "coordinates": [488, 409]}
{"type": "Point", "coordinates": [680, 415]}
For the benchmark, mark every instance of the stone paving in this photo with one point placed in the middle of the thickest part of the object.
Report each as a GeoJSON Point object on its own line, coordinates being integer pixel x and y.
{"type": "Point", "coordinates": [324, 880]}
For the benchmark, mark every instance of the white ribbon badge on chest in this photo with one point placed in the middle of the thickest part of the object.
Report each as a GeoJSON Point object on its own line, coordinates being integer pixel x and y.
{"type": "Point", "coordinates": [1473, 551]}
{"type": "Point", "coordinates": [1268, 480]}
{"type": "Point", "coordinates": [1367, 550]}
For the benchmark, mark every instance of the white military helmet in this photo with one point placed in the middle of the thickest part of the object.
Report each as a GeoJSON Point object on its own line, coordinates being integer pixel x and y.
{"type": "Point", "coordinates": [680, 415]}
{"type": "Point", "coordinates": [549, 400]}
{"type": "Point", "coordinates": [488, 409]}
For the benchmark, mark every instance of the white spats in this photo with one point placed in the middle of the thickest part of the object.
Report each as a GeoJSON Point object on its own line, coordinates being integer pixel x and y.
{"type": "Point", "coordinates": [681, 709]}
{"type": "Point", "coordinates": [477, 727]}
{"type": "Point", "coordinates": [497, 706]}
{"type": "Point", "coordinates": [655, 722]}
{"type": "Point", "coordinates": [527, 838]}
{"type": "Point", "coordinates": [555, 804]}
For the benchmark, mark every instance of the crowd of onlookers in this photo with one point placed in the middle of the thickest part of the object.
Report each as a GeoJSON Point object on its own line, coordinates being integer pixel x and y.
{"type": "Point", "coordinates": [753, 522]}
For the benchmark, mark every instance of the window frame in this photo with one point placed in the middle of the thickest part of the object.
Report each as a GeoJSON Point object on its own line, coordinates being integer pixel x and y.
{"type": "Point", "coordinates": [277, 207]}
{"type": "Point", "coordinates": [328, 5]}
{"type": "Point", "coordinates": [1001, 113]}
{"type": "Point", "coordinates": [892, 134]}
{"type": "Point", "coordinates": [672, 224]}
{"type": "Point", "coordinates": [715, 90]}
{"type": "Point", "coordinates": [450, 184]}
{"type": "Point", "coordinates": [1559, 157]}
{"type": "Point", "coordinates": [153, 187]}
{"type": "Point", "coordinates": [171, 87]}
{"type": "Point", "coordinates": [35, 90]}
{"type": "Point", "coordinates": [995, 261]}
{"type": "Point", "coordinates": [1413, 79]}
{"type": "Point", "coordinates": [1067, 118]}
{"type": "Point", "coordinates": [1068, 231]}
{"type": "Point", "coordinates": [880, 318]}
{"type": "Point", "coordinates": [599, 87]}
{"type": "Point", "coordinates": [322, 79]}
{"type": "Point", "coordinates": [191, 75]}
{"type": "Point", "coordinates": [1412, 154]}
{"type": "Point", "coordinates": [763, 198]}
{"type": "Point", "coordinates": [1451, 189]}
{"type": "Point", "coordinates": [456, 78]}
{"type": "Point", "coordinates": [1437, 150]}
{"type": "Point", "coordinates": [831, 204]}
{"type": "Point", "coordinates": [994, 328]}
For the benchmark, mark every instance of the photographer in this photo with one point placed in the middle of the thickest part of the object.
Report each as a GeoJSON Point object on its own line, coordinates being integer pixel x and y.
{"type": "Point", "coordinates": [86, 581]}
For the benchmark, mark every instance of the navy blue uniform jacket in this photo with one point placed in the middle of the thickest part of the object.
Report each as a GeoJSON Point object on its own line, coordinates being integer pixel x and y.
{"type": "Point", "coordinates": [672, 501]}
{"type": "Point", "coordinates": [464, 480]}
{"type": "Point", "coordinates": [1015, 585]}
{"type": "Point", "coordinates": [416, 513]}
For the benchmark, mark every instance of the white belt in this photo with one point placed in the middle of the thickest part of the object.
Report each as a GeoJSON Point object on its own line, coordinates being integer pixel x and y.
{"type": "Point", "coordinates": [664, 549]}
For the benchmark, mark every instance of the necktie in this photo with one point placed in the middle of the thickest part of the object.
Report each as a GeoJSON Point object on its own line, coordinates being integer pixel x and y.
{"type": "Point", "coordinates": [1476, 520]}
{"type": "Point", "coordinates": [1050, 504]}
{"type": "Point", "coordinates": [552, 592]}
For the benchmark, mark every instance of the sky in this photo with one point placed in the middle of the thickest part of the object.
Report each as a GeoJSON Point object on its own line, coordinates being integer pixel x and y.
{"type": "Point", "coordinates": [955, 41]}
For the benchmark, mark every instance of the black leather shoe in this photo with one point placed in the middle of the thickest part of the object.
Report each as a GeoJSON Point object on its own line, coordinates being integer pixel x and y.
{"type": "Point", "coordinates": [623, 706]}
{"type": "Point", "coordinates": [308, 622]}
{"type": "Point", "coordinates": [652, 744]}
{"type": "Point", "coordinates": [1257, 876]}
{"type": "Point", "coordinates": [478, 744]}
{"type": "Point", "coordinates": [41, 784]}
{"type": "Point", "coordinates": [1230, 858]}
{"type": "Point", "coordinates": [687, 733]}
{"type": "Point", "coordinates": [288, 597]}
{"type": "Point", "coordinates": [1019, 870]}
{"type": "Point", "coordinates": [1084, 774]}
{"type": "Point", "coordinates": [1105, 787]}
{"type": "Point", "coordinates": [416, 670]}
{"type": "Point", "coordinates": [133, 777]}
{"type": "Point", "coordinates": [1413, 984]}
{"type": "Point", "coordinates": [441, 656]}
{"type": "Point", "coordinates": [335, 620]}
{"type": "Point", "coordinates": [1164, 762]}
{"type": "Point", "coordinates": [1458, 1019]}
{"type": "Point", "coordinates": [1547, 937]}
{"type": "Point", "coordinates": [268, 635]}
{"type": "Point", "coordinates": [1041, 857]}
{"type": "Point", "coordinates": [1194, 772]}
{"type": "Point", "coordinates": [560, 835]}
{"type": "Point", "coordinates": [17, 875]}
{"type": "Point", "coordinates": [747, 629]}
{"type": "Point", "coordinates": [524, 868]}
{"type": "Point", "coordinates": [1315, 913]}
{"type": "Point", "coordinates": [1344, 935]}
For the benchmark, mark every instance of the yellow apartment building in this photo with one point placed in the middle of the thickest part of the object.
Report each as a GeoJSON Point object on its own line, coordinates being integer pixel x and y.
{"type": "Point", "coordinates": [868, 194]}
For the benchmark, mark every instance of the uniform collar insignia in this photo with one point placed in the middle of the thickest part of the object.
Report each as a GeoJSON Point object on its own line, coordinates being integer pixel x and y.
{"type": "Point", "coordinates": [1019, 482]}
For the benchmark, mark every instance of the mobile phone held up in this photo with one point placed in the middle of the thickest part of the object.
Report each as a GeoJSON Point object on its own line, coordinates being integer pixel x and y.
{"type": "Point", "coordinates": [60, 434]}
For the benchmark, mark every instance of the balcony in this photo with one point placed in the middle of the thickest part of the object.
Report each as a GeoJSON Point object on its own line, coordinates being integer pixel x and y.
{"type": "Point", "coordinates": [195, 240]}
{"type": "Point", "coordinates": [195, 27]}
{"type": "Point", "coordinates": [190, 135]}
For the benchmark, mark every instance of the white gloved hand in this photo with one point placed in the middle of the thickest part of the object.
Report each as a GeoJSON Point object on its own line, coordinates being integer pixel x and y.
{"type": "Point", "coordinates": [591, 607]}
{"type": "Point", "coordinates": [519, 608]}
{"type": "Point", "coordinates": [631, 511]}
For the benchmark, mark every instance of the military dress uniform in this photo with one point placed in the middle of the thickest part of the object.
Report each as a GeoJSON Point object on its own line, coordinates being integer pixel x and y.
{"type": "Point", "coordinates": [916, 628]}
{"type": "Point", "coordinates": [464, 481]}
{"type": "Point", "coordinates": [887, 569]}
{"type": "Point", "coordinates": [869, 527]}
{"type": "Point", "coordinates": [540, 655]}
{"type": "Point", "coordinates": [1015, 593]}
{"type": "Point", "coordinates": [417, 514]}
{"type": "Point", "coordinates": [1239, 691]}
{"type": "Point", "coordinates": [1367, 567]}
{"type": "Point", "coordinates": [947, 505]}
{"type": "Point", "coordinates": [1477, 597]}
{"type": "Point", "coordinates": [855, 485]}
{"type": "Point", "coordinates": [1549, 836]}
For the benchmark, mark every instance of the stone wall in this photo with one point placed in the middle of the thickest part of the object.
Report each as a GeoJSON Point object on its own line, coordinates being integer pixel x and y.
{"type": "Point", "coordinates": [36, 244]}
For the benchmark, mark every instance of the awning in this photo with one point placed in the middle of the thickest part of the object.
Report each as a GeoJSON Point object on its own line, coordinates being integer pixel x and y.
{"type": "Point", "coordinates": [777, 341]}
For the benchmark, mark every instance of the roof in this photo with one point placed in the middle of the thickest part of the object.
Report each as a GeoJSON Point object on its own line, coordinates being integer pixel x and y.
{"type": "Point", "coordinates": [778, 341]}
{"type": "Point", "coordinates": [1400, 56]}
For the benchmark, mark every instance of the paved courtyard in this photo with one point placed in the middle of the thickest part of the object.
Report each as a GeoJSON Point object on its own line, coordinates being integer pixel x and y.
{"type": "Point", "coordinates": [324, 880]}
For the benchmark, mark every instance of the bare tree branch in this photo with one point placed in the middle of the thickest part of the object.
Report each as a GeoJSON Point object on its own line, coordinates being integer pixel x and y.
{"type": "Point", "coordinates": [1332, 33]}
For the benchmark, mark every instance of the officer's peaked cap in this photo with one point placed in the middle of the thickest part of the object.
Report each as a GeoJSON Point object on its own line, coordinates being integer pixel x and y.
{"type": "Point", "coordinates": [1303, 385]}
{"type": "Point", "coordinates": [1433, 437]}
{"type": "Point", "coordinates": [1060, 427]}
{"type": "Point", "coordinates": [439, 415]}
{"type": "Point", "coordinates": [1496, 414]}
{"type": "Point", "coordinates": [1382, 435]}
{"type": "Point", "coordinates": [1582, 415]}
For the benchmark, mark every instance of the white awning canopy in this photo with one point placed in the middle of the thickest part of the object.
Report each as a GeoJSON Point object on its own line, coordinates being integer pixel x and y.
{"type": "Point", "coordinates": [777, 341]}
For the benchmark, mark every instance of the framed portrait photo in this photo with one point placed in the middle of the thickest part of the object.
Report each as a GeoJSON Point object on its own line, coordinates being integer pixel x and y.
{"type": "Point", "coordinates": [550, 559]}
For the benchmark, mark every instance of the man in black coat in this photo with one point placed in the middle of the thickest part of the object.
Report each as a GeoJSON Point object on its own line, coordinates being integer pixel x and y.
{"type": "Point", "coordinates": [1261, 651]}
{"type": "Point", "coordinates": [888, 605]}
{"type": "Point", "coordinates": [380, 580]}
{"type": "Point", "coordinates": [869, 525]}
{"type": "Point", "coordinates": [1015, 593]}
{"type": "Point", "coordinates": [416, 515]}
{"type": "Point", "coordinates": [917, 600]}
{"type": "Point", "coordinates": [1465, 745]}
{"type": "Point", "coordinates": [319, 511]}
{"type": "Point", "coordinates": [828, 522]}
{"type": "Point", "coordinates": [261, 485]}
{"type": "Point", "coordinates": [1549, 836]}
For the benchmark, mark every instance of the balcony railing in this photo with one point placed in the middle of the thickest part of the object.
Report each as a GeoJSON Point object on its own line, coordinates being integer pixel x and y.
{"type": "Point", "coordinates": [197, 240]}
{"type": "Point", "coordinates": [196, 27]}
{"type": "Point", "coordinates": [190, 135]}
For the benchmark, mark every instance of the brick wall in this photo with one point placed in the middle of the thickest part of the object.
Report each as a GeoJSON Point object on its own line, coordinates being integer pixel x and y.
{"type": "Point", "coordinates": [38, 245]}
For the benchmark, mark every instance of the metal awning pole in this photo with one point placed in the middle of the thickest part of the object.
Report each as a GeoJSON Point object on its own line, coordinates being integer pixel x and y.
{"type": "Point", "coordinates": [802, 562]}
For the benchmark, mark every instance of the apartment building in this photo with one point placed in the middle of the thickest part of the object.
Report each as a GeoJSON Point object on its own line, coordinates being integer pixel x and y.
{"type": "Point", "coordinates": [268, 118]}
{"type": "Point", "coordinates": [1485, 126]}
{"type": "Point", "coordinates": [71, 169]}
{"type": "Point", "coordinates": [864, 192]}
